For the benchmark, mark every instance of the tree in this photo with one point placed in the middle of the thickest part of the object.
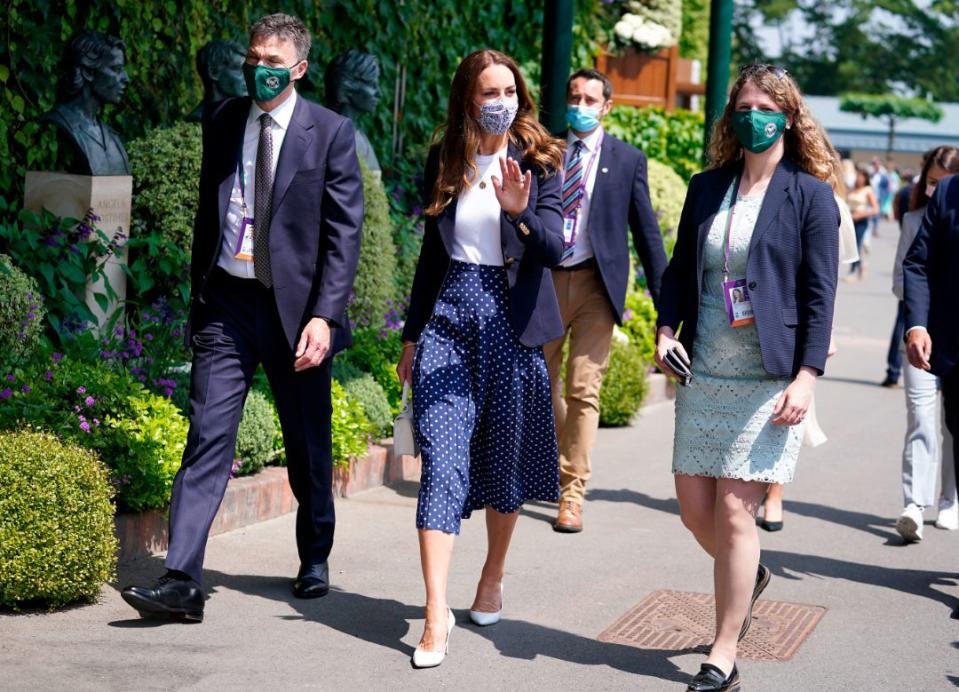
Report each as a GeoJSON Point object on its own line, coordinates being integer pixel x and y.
{"type": "Point", "coordinates": [890, 107]}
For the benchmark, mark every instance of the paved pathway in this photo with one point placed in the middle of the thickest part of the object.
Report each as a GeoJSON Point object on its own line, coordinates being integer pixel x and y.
{"type": "Point", "coordinates": [887, 625]}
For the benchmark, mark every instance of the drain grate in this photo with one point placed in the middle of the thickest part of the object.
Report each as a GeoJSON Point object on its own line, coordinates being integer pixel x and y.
{"type": "Point", "coordinates": [680, 621]}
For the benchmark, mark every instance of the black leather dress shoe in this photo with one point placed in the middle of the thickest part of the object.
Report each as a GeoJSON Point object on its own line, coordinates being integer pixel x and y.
{"type": "Point", "coordinates": [710, 678]}
{"type": "Point", "coordinates": [313, 581]}
{"type": "Point", "coordinates": [171, 598]}
{"type": "Point", "coordinates": [763, 576]}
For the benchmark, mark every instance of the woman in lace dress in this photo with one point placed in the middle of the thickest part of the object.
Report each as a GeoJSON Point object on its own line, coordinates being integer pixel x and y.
{"type": "Point", "coordinates": [761, 221]}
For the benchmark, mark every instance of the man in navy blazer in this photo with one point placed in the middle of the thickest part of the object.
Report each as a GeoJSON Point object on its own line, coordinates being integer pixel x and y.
{"type": "Point", "coordinates": [275, 249]}
{"type": "Point", "coordinates": [931, 294]}
{"type": "Point", "coordinates": [605, 197]}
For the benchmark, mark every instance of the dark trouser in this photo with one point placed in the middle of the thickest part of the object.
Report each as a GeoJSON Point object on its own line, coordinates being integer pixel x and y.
{"type": "Point", "coordinates": [949, 385]}
{"type": "Point", "coordinates": [894, 357]}
{"type": "Point", "coordinates": [861, 227]}
{"type": "Point", "coordinates": [235, 330]}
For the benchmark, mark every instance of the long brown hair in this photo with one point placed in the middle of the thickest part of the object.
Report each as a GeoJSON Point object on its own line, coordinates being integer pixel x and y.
{"type": "Point", "coordinates": [806, 142]}
{"type": "Point", "coordinates": [459, 136]}
{"type": "Point", "coordinates": [944, 157]}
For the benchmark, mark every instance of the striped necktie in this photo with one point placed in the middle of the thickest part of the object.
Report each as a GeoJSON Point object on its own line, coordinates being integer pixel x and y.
{"type": "Point", "coordinates": [572, 180]}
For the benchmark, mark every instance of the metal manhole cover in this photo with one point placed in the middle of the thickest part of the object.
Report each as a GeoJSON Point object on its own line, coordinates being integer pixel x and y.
{"type": "Point", "coordinates": [680, 621]}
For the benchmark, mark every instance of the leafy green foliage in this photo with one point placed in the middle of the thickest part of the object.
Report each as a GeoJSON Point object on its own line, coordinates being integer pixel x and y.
{"type": "Point", "coordinates": [374, 285]}
{"type": "Point", "coordinates": [140, 435]}
{"type": "Point", "coordinates": [378, 352]}
{"type": "Point", "coordinates": [165, 164]}
{"type": "Point", "coordinates": [21, 314]}
{"type": "Point", "coordinates": [890, 106]}
{"type": "Point", "coordinates": [254, 440]}
{"type": "Point", "coordinates": [57, 542]}
{"type": "Point", "coordinates": [62, 256]}
{"type": "Point", "coordinates": [674, 138]}
{"type": "Point", "coordinates": [639, 323]}
{"type": "Point", "coordinates": [624, 386]}
{"type": "Point", "coordinates": [694, 39]}
{"type": "Point", "coordinates": [372, 399]}
{"type": "Point", "coordinates": [350, 427]}
{"type": "Point", "coordinates": [667, 191]}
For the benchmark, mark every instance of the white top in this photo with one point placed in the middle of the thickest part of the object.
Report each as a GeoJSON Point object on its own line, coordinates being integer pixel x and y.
{"type": "Point", "coordinates": [281, 115]}
{"type": "Point", "coordinates": [476, 233]}
{"type": "Point", "coordinates": [910, 228]}
{"type": "Point", "coordinates": [848, 252]}
{"type": "Point", "coordinates": [583, 249]}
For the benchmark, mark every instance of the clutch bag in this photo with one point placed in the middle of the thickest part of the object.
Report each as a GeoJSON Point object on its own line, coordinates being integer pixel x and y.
{"type": "Point", "coordinates": [679, 366]}
{"type": "Point", "coordinates": [404, 441]}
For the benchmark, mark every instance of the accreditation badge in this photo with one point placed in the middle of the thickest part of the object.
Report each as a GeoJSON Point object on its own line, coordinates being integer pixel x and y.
{"type": "Point", "coordinates": [739, 307]}
{"type": "Point", "coordinates": [244, 243]}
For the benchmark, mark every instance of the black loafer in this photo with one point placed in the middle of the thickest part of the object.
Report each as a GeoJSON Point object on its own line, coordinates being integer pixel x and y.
{"type": "Point", "coordinates": [710, 678]}
{"type": "Point", "coordinates": [171, 598]}
{"type": "Point", "coordinates": [762, 581]}
{"type": "Point", "coordinates": [313, 581]}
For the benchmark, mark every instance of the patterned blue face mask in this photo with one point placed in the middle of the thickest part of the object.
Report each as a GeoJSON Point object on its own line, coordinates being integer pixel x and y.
{"type": "Point", "coordinates": [495, 117]}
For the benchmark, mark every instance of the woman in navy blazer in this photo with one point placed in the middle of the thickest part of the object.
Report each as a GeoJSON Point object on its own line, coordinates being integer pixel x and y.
{"type": "Point", "coordinates": [482, 306]}
{"type": "Point", "coordinates": [760, 224]}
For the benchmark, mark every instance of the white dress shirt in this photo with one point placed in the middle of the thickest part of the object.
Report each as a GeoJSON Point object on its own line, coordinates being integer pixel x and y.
{"type": "Point", "coordinates": [234, 214]}
{"type": "Point", "coordinates": [476, 232]}
{"type": "Point", "coordinates": [583, 249]}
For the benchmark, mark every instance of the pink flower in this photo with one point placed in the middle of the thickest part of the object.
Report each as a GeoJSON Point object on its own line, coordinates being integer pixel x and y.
{"type": "Point", "coordinates": [85, 427]}
{"type": "Point", "coordinates": [81, 390]}
{"type": "Point", "coordinates": [89, 401]}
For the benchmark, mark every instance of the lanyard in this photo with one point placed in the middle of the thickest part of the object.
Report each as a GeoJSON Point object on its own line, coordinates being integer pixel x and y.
{"type": "Point", "coordinates": [241, 174]}
{"type": "Point", "coordinates": [728, 233]}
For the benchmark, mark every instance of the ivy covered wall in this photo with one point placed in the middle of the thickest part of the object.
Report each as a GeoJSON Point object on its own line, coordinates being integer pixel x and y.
{"type": "Point", "coordinates": [426, 37]}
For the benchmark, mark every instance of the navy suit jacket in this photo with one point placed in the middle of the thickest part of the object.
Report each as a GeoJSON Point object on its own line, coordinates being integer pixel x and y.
{"type": "Point", "coordinates": [931, 276]}
{"type": "Point", "coordinates": [532, 243]}
{"type": "Point", "coordinates": [791, 270]}
{"type": "Point", "coordinates": [317, 213]}
{"type": "Point", "coordinates": [620, 199]}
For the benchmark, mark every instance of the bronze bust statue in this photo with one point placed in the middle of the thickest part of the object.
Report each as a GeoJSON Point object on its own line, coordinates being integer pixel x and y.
{"type": "Point", "coordinates": [92, 74]}
{"type": "Point", "coordinates": [220, 65]}
{"type": "Point", "coordinates": [352, 87]}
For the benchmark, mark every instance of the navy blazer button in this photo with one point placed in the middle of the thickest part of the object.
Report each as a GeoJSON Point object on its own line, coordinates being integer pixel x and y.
{"type": "Point", "coordinates": [752, 284]}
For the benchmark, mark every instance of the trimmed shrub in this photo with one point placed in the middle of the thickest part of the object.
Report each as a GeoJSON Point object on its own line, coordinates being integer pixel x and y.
{"type": "Point", "coordinates": [639, 324]}
{"type": "Point", "coordinates": [350, 427]}
{"type": "Point", "coordinates": [374, 286]}
{"type": "Point", "coordinates": [667, 191]}
{"type": "Point", "coordinates": [378, 352]}
{"type": "Point", "coordinates": [254, 440]}
{"type": "Point", "coordinates": [57, 542]}
{"type": "Point", "coordinates": [21, 313]}
{"type": "Point", "coordinates": [372, 399]}
{"type": "Point", "coordinates": [674, 138]}
{"type": "Point", "coordinates": [624, 386]}
{"type": "Point", "coordinates": [138, 434]}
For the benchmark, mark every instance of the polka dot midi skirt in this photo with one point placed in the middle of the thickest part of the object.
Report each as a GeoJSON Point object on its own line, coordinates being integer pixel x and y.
{"type": "Point", "coordinates": [481, 406]}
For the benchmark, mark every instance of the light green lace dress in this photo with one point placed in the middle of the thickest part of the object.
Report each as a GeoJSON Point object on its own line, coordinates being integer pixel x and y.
{"type": "Point", "coordinates": [724, 417]}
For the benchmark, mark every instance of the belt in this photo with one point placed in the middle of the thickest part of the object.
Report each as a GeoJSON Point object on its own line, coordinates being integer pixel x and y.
{"type": "Point", "coordinates": [585, 264]}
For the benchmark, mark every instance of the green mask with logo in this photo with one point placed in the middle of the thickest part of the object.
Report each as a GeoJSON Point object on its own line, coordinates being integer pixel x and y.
{"type": "Point", "coordinates": [265, 83]}
{"type": "Point", "coordinates": [758, 130]}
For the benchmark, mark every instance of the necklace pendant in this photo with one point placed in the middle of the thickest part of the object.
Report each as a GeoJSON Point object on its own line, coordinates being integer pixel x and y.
{"type": "Point", "coordinates": [482, 185]}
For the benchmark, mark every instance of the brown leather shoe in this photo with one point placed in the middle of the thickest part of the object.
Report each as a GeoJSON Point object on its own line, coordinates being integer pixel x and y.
{"type": "Point", "coordinates": [570, 519]}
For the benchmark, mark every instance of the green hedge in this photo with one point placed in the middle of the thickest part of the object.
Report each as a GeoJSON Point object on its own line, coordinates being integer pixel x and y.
{"type": "Point", "coordinates": [674, 138]}
{"type": "Point", "coordinates": [255, 436]}
{"type": "Point", "coordinates": [57, 542]}
{"type": "Point", "coordinates": [624, 386]}
{"type": "Point", "coordinates": [350, 427]}
{"type": "Point", "coordinates": [373, 286]}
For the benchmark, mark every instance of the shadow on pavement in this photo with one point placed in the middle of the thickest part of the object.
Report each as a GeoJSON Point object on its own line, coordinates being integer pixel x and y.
{"type": "Point", "coordinates": [669, 505]}
{"type": "Point", "coordinates": [385, 622]}
{"type": "Point", "coordinates": [883, 527]}
{"type": "Point", "coordinates": [909, 581]}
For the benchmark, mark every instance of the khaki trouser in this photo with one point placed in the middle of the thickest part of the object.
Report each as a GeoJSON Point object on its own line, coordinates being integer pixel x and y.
{"type": "Point", "coordinates": [588, 321]}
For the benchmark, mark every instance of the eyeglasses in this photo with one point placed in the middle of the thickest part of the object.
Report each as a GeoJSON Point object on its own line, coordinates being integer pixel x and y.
{"type": "Point", "coordinates": [759, 67]}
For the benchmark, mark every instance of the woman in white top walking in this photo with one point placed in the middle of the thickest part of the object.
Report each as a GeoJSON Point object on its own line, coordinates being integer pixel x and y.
{"type": "Point", "coordinates": [481, 308]}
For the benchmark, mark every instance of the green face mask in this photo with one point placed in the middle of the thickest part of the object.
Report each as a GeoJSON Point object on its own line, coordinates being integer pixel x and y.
{"type": "Point", "coordinates": [758, 130]}
{"type": "Point", "coordinates": [265, 83]}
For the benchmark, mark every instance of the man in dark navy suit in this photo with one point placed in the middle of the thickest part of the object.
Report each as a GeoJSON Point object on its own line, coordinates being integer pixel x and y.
{"type": "Point", "coordinates": [931, 296]}
{"type": "Point", "coordinates": [605, 196]}
{"type": "Point", "coordinates": [275, 248]}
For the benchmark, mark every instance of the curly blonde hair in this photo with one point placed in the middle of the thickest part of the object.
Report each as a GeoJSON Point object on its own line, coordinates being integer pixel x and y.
{"type": "Point", "coordinates": [459, 136]}
{"type": "Point", "coordinates": [805, 141]}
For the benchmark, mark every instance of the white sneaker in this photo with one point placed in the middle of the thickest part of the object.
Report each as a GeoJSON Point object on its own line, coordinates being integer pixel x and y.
{"type": "Point", "coordinates": [948, 518]}
{"type": "Point", "coordinates": [909, 524]}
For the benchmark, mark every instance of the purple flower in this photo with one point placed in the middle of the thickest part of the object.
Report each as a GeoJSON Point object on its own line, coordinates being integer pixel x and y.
{"type": "Point", "coordinates": [10, 377]}
{"type": "Point", "coordinates": [85, 427]}
{"type": "Point", "coordinates": [81, 390]}
{"type": "Point", "coordinates": [6, 393]}
{"type": "Point", "coordinates": [48, 375]}
{"type": "Point", "coordinates": [627, 315]}
{"type": "Point", "coordinates": [89, 401]}
{"type": "Point", "coordinates": [26, 389]}
{"type": "Point", "coordinates": [167, 392]}
{"type": "Point", "coordinates": [57, 357]}
{"type": "Point", "coordinates": [96, 421]}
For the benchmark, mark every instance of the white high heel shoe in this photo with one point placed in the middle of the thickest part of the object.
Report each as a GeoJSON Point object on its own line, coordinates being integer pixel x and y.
{"type": "Point", "coordinates": [430, 659]}
{"type": "Point", "coordinates": [484, 619]}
